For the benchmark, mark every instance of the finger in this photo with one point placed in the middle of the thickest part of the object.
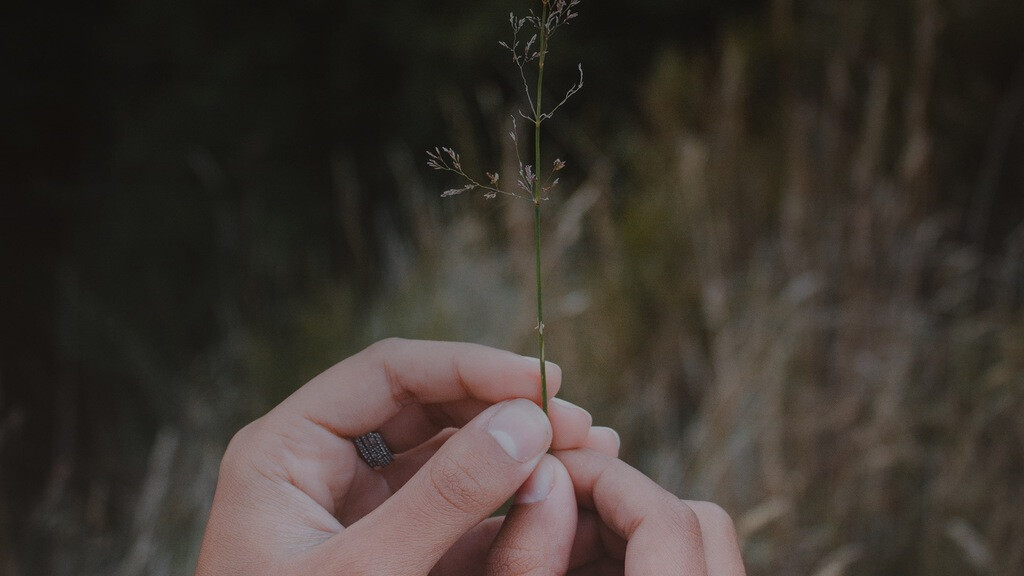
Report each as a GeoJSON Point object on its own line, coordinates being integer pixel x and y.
{"type": "Point", "coordinates": [395, 373]}
{"type": "Point", "coordinates": [663, 534]}
{"type": "Point", "coordinates": [595, 545]}
{"type": "Point", "coordinates": [369, 488]}
{"type": "Point", "coordinates": [603, 440]}
{"type": "Point", "coordinates": [570, 424]}
{"type": "Point", "coordinates": [471, 475]}
{"type": "Point", "coordinates": [305, 439]}
{"type": "Point", "coordinates": [416, 423]}
{"type": "Point", "coordinates": [721, 547]}
{"type": "Point", "coordinates": [537, 535]}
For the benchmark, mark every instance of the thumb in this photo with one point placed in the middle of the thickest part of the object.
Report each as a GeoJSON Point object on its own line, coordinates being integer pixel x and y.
{"type": "Point", "coordinates": [468, 478]}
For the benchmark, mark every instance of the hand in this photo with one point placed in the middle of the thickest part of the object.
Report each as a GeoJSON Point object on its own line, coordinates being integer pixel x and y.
{"type": "Point", "coordinates": [601, 516]}
{"type": "Point", "coordinates": [294, 497]}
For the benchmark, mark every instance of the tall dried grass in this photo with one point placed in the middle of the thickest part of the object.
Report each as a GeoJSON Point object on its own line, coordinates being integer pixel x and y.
{"type": "Point", "coordinates": [781, 314]}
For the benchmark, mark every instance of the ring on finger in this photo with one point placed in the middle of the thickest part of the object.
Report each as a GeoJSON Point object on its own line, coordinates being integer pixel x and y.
{"type": "Point", "coordinates": [373, 450]}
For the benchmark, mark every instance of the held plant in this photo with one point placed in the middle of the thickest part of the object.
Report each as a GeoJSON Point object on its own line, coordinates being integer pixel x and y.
{"type": "Point", "coordinates": [531, 35]}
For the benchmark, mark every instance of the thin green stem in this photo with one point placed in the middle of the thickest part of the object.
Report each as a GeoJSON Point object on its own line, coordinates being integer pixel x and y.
{"type": "Point", "coordinates": [540, 313]}
{"type": "Point", "coordinates": [537, 191]}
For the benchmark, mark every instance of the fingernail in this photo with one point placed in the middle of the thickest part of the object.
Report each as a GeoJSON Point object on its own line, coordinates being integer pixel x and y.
{"type": "Point", "coordinates": [571, 406]}
{"type": "Point", "coordinates": [538, 485]}
{"type": "Point", "coordinates": [553, 370]}
{"type": "Point", "coordinates": [521, 429]}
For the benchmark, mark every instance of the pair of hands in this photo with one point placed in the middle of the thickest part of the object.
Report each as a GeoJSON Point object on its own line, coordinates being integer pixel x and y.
{"type": "Point", "coordinates": [294, 497]}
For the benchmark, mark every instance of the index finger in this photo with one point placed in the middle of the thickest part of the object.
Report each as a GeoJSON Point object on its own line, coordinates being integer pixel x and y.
{"type": "Point", "coordinates": [362, 392]}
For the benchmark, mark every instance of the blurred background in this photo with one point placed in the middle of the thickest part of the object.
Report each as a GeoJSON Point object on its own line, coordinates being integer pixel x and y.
{"type": "Point", "coordinates": [786, 260]}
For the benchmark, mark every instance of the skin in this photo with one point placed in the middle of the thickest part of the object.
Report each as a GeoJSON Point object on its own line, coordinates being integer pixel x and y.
{"type": "Point", "coordinates": [294, 497]}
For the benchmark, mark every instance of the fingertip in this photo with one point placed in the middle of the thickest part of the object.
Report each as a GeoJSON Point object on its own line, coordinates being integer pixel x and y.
{"type": "Point", "coordinates": [553, 372]}
{"type": "Point", "coordinates": [570, 424]}
{"type": "Point", "coordinates": [578, 412]}
{"type": "Point", "coordinates": [604, 440]}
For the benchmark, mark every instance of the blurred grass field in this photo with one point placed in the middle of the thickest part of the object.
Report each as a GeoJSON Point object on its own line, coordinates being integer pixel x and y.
{"type": "Point", "coordinates": [786, 263]}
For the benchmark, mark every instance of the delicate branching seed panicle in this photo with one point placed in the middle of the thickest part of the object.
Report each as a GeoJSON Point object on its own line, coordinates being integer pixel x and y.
{"type": "Point", "coordinates": [448, 160]}
{"type": "Point", "coordinates": [528, 48]}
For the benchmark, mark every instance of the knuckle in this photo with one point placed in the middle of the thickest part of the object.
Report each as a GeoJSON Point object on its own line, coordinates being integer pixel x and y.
{"type": "Point", "coordinates": [240, 445]}
{"type": "Point", "coordinates": [458, 486]}
{"type": "Point", "coordinates": [384, 348]}
{"type": "Point", "coordinates": [714, 516]}
{"type": "Point", "coordinates": [714, 513]}
{"type": "Point", "coordinates": [254, 452]}
{"type": "Point", "coordinates": [381, 354]}
{"type": "Point", "coordinates": [681, 518]}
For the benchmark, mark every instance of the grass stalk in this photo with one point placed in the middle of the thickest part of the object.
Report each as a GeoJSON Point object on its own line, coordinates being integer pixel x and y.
{"type": "Point", "coordinates": [537, 193]}
{"type": "Point", "coordinates": [529, 183]}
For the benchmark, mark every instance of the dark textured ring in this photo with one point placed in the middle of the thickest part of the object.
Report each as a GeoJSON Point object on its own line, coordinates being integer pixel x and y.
{"type": "Point", "coordinates": [373, 450]}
